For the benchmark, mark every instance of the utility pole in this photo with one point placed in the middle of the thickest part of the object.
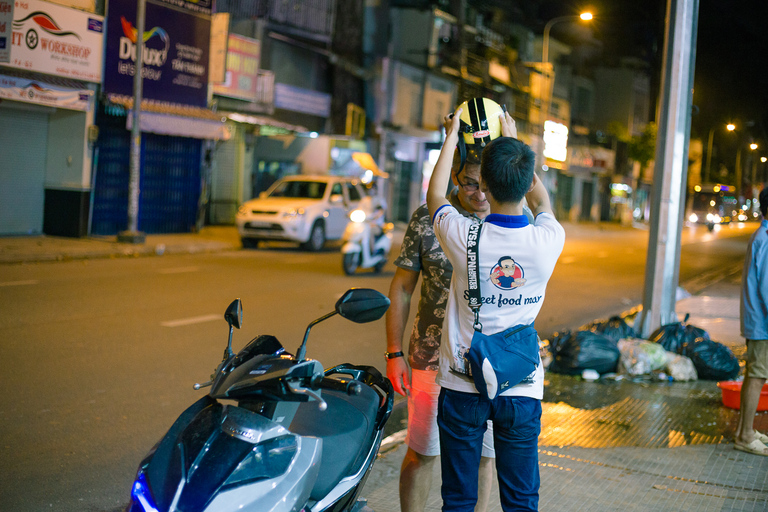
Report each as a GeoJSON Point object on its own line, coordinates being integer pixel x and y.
{"type": "Point", "coordinates": [132, 234]}
{"type": "Point", "coordinates": [662, 270]}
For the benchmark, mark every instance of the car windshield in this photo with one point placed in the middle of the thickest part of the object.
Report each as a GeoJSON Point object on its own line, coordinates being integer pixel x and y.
{"type": "Point", "coordinates": [300, 189]}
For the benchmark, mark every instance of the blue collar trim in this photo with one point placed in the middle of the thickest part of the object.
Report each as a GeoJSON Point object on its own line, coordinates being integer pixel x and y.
{"type": "Point", "coordinates": [508, 221]}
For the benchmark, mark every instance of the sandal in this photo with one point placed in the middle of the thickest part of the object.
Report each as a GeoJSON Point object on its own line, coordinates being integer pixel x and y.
{"type": "Point", "coordinates": [761, 437]}
{"type": "Point", "coordinates": [755, 447]}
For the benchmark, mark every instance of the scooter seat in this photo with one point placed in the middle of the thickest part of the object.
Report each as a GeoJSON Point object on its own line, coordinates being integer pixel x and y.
{"type": "Point", "coordinates": [346, 428]}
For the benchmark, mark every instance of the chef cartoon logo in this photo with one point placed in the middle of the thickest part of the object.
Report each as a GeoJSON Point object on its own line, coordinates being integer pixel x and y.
{"type": "Point", "coordinates": [507, 274]}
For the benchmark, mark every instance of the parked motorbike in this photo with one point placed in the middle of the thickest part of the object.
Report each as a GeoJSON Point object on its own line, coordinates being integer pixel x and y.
{"type": "Point", "coordinates": [361, 248]}
{"type": "Point", "coordinates": [276, 432]}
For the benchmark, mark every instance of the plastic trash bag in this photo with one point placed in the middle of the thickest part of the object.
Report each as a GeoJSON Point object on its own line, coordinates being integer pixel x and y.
{"type": "Point", "coordinates": [713, 360]}
{"type": "Point", "coordinates": [673, 337]}
{"type": "Point", "coordinates": [680, 368]}
{"type": "Point", "coordinates": [641, 357]}
{"type": "Point", "coordinates": [584, 350]}
{"type": "Point", "coordinates": [615, 328]}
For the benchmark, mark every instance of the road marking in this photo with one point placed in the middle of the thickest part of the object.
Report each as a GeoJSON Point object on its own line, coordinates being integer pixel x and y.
{"type": "Point", "coordinates": [191, 320]}
{"type": "Point", "coordinates": [178, 270]}
{"type": "Point", "coordinates": [566, 260]}
{"type": "Point", "coordinates": [19, 283]}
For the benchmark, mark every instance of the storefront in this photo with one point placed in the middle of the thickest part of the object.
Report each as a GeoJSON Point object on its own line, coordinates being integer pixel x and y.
{"type": "Point", "coordinates": [47, 92]}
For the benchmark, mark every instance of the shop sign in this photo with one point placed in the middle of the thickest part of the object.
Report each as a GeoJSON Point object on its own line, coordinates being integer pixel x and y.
{"type": "Point", "coordinates": [555, 141]}
{"type": "Point", "coordinates": [6, 22]}
{"type": "Point", "coordinates": [57, 40]}
{"type": "Point", "coordinates": [43, 93]}
{"type": "Point", "coordinates": [306, 101]}
{"type": "Point", "coordinates": [175, 57]}
{"type": "Point", "coordinates": [241, 81]}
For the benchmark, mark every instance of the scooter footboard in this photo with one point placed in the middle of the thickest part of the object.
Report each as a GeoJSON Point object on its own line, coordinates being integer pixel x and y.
{"type": "Point", "coordinates": [373, 378]}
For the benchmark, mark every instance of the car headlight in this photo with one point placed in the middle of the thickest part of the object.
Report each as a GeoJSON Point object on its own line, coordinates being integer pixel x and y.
{"type": "Point", "coordinates": [710, 217]}
{"type": "Point", "coordinates": [717, 219]}
{"type": "Point", "coordinates": [293, 212]}
{"type": "Point", "coordinates": [693, 218]}
{"type": "Point", "coordinates": [357, 216]}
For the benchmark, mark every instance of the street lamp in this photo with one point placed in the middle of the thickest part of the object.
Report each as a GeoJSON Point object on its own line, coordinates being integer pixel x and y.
{"type": "Point", "coordinates": [585, 16]}
{"type": "Point", "coordinates": [730, 127]}
{"type": "Point", "coordinates": [547, 96]}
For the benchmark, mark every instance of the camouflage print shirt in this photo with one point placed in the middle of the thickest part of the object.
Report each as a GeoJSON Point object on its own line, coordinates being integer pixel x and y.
{"type": "Point", "coordinates": [421, 252]}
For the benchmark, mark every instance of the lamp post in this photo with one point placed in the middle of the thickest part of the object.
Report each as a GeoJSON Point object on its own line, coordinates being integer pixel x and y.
{"type": "Point", "coordinates": [730, 127]}
{"type": "Point", "coordinates": [547, 96]}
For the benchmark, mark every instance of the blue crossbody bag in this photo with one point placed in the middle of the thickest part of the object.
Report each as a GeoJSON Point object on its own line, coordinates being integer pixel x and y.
{"type": "Point", "coordinates": [498, 361]}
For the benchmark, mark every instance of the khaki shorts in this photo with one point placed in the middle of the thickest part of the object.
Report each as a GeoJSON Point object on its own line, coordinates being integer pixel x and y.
{"type": "Point", "coordinates": [423, 435]}
{"type": "Point", "coordinates": [757, 359]}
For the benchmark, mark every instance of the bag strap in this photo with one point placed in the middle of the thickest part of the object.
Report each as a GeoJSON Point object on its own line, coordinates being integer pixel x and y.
{"type": "Point", "coordinates": [473, 273]}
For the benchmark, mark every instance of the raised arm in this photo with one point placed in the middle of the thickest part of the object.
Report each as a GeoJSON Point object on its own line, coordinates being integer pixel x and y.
{"type": "Point", "coordinates": [441, 175]}
{"type": "Point", "coordinates": [538, 198]}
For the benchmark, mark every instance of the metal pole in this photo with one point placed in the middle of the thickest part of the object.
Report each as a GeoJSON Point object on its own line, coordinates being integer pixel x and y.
{"type": "Point", "coordinates": [132, 234]}
{"type": "Point", "coordinates": [663, 262]}
{"type": "Point", "coordinates": [709, 156]}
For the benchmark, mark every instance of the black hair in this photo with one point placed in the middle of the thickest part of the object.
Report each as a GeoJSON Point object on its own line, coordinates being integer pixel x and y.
{"type": "Point", "coordinates": [763, 198]}
{"type": "Point", "coordinates": [507, 169]}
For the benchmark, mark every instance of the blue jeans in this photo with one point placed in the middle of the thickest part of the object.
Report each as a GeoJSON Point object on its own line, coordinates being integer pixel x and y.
{"type": "Point", "coordinates": [462, 419]}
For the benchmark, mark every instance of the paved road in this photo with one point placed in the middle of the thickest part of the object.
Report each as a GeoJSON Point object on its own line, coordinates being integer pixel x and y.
{"type": "Point", "coordinates": [100, 354]}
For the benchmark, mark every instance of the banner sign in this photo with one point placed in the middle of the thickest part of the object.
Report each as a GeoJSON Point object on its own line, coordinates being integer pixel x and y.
{"type": "Point", "coordinates": [56, 40]}
{"type": "Point", "coordinates": [175, 56]}
{"type": "Point", "coordinates": [6, 21]}
{"type": "Point", "coordinates": [198, 6]}
{"type": "Point", "coordinates": [42, 93]}
{"type": "Point", "coordinates": [242, 69]}
{"type": "Point", "coordinates": [297, 99]}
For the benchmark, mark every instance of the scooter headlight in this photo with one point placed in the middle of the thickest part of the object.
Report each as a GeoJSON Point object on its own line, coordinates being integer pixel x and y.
{"type": "Point", "coordinates": [267, 460]}
{"type": "Point", "coordinates": [141, 495]}
{"type": "Point", "coordinates": [357, 216]}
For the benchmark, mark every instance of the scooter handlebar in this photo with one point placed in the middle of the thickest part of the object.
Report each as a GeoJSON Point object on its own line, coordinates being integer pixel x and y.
{"type": "Point", "coordinates": [350, 387]}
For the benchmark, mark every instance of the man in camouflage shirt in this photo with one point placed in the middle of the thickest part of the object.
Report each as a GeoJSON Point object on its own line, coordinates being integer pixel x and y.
{"type": "Point", "coordinates": [421, 254]}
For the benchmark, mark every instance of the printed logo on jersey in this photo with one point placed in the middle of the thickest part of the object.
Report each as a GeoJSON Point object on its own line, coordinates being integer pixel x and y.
{"type": "Point", "coordinates": [507, 274]}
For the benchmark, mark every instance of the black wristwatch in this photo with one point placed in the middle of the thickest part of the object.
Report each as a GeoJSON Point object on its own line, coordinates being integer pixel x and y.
{"type": "Point", "coordinates": [392, 355]}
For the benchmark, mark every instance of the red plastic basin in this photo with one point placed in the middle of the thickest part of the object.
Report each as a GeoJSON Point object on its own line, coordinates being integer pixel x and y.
{"type": "Point", "coordinates": [732, 395]}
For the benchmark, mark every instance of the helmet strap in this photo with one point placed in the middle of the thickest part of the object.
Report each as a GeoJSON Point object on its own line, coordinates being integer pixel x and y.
{"type": "Point", "coordinates": [462, 154]}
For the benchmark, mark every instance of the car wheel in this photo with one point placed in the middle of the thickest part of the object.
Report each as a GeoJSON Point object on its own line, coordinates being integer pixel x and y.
{"type": "Point", "coordinates": [316, 237]}
{"type": "Point", "coordinates": [350, 262]}
{"type": "Point", "coordinates": [250, 243]}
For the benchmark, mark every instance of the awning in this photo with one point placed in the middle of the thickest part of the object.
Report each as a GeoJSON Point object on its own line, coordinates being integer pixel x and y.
{"type": "Point", "coordinates": [177, 120]}
{"type": "Point", "coordinates": [264, 121]}
{"type": "Point", "coordinates": [365, 160]}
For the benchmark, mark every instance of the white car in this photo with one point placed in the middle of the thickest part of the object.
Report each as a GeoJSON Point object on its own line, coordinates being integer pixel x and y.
{"type": "Point", "coordinates": [304, 209]}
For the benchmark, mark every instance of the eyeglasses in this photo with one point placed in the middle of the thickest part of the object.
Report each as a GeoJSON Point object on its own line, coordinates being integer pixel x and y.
{"type": "Point", "coordinates": [469, 188]}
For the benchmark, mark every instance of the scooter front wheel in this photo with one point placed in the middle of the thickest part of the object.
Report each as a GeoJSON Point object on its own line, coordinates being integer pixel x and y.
{"type": "Point", "coordinates": [350, 262]}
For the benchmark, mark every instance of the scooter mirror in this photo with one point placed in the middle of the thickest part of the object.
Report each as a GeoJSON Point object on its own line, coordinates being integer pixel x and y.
{"type": "Point", "coordinates": [234, 314]}
{"type": "Point", "coordinates": [362, 305]}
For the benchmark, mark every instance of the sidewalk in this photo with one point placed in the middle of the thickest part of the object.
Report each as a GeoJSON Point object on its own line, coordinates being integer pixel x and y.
{"type": "Point", "coordinates": [631, 446]}
{"type": "Point", "coordinates": [604, 446]}
{"type": "Point", "coordinates": [34, 249]}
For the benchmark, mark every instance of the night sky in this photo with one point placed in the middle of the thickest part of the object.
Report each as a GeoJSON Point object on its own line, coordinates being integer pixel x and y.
{"type": "Point", "coordinates": [731, 74]}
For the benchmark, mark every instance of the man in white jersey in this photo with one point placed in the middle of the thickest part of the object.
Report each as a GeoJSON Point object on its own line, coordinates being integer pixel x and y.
{"type": "Point", "coordinates": [507, 240]}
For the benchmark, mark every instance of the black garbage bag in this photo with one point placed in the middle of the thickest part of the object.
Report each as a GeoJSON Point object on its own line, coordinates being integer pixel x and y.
{"type": "Point", "coordinates": [713, 360]}
{"type": "Point", "coordinates": [674, 336]}
{"type": "Point", "coordinates": [615, 328]}
{"type": "Point", "coordinates": [585, 350]}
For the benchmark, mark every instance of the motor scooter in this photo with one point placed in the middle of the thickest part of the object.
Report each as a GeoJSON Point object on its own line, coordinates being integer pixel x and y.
{"type": "Point", "coordinates": [276, 432]}
{"type": "Point", "coordinates": [361, 249]}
